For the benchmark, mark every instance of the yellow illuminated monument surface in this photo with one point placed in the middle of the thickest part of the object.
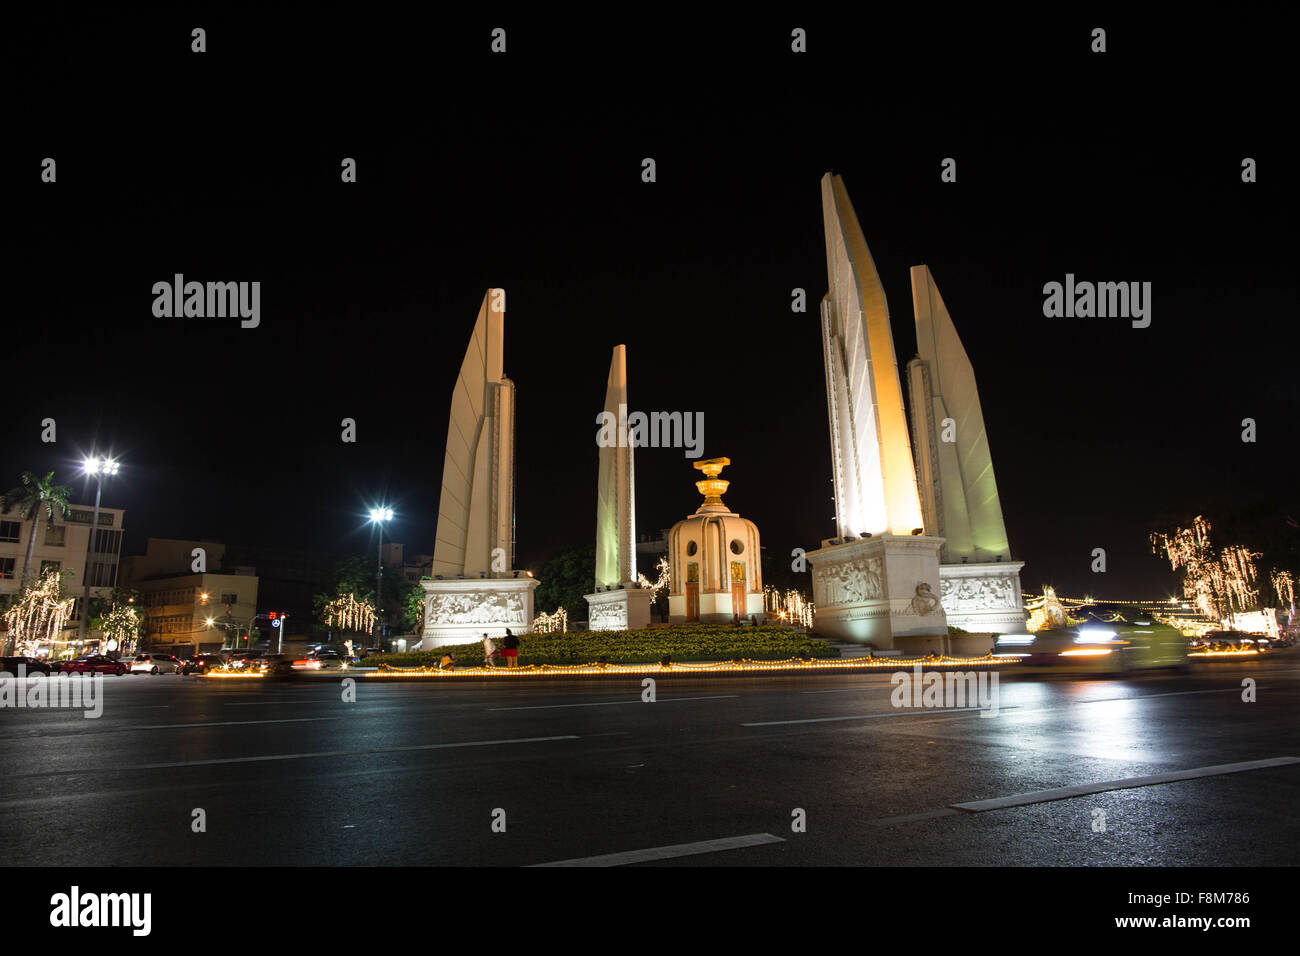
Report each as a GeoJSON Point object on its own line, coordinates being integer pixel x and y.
{"type": "Point", "coordinates": [874, 476]}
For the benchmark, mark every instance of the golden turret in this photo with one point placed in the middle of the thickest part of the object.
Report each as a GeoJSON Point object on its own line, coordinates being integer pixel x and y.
{"type": "Point", "coordinates": [712, 487]}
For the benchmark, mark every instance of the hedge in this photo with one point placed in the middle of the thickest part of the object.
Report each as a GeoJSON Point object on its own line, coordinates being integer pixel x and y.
{"type": "Point", "coordinates": [698, 642]}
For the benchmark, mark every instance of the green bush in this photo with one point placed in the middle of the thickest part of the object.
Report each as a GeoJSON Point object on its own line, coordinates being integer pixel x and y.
{"type": "Point", "coordinates": [686, 642]}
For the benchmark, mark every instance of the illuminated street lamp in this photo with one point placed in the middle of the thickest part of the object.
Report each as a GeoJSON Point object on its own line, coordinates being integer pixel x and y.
{"type": "Point", "coordinates": [379, 516]}
{"type": "Point", "coordinates": [97, 468]}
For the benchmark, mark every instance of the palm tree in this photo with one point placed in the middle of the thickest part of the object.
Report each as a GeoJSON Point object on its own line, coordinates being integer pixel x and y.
{"type": "Point", "coordinates": [34, 498]}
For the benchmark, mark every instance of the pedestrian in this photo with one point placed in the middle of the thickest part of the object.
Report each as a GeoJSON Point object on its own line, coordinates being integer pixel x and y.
{"type": "Point", "coordinates": [510, 648]}
{"type": "Point", "coordinates": [448, 662]}
{"type": "Point", "coordinates": [489, 651]}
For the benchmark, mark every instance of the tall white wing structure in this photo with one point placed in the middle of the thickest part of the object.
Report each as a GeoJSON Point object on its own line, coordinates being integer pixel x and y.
{"type": "Point", "coordinates": [476, 511]}
{"type": "Point", "coordinates": [959, 493]}
{"type": "Point", "coordinates": [874, 476]}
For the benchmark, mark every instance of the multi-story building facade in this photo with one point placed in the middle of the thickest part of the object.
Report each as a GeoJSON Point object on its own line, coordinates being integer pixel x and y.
{"type": "Point", "coordinates": [204, 610]}
{"type": "Point", "coordinates": [64, 546]}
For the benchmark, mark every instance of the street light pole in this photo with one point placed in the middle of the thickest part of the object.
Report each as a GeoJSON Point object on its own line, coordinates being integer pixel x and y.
{"type": "Point", "coordinates": [379, 516]}
{"type": "Point", "coordinates": [95, 467]}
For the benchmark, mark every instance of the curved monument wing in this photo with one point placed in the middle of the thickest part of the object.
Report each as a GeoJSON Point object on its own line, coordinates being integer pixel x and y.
{"type": "Point", "coordinates": [874, 476]}
{"type": "Point", "coordinates": [960, 491]}
{"type": "Point", "coordinates": [476, 509]}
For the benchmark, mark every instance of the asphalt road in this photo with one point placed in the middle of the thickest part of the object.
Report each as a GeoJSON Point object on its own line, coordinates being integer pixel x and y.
{"type": "Point", "coordinates": [416, 773]}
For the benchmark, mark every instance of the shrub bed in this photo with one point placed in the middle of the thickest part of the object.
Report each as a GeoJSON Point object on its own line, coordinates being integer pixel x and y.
{"type": "Point", "coordinates": [692, 642]}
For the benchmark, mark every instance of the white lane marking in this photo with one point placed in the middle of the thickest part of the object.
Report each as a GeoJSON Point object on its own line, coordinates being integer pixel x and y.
{"type": "Point", "coordinates": [924, 712]}
{"type": "Point", "coordinates": [1014, 709]}
{"type": "Point", "coordinates": [845, 690]}
{"type": "Point", "coordinates": [613, 703]}
{"type": "Point", "coordinates": [237, 723]}
{"type": "Point", "coordinates": [670, 852]}
{"type": "Point", "coordinates": [1064, 793]}
{"type": "Point", "coordinates": [327, 699]}
{"type": "Point", "coordinates": [323, 753]}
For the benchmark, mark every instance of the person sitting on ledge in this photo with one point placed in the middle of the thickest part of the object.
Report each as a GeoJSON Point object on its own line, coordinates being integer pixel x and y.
{"type": "Point", "coordinates": [448, 662]}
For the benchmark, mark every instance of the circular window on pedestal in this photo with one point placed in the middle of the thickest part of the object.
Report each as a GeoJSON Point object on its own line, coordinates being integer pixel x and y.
{"type": "Point", "coordinates": [737, 547]}
{"type": "Point", "coordinates": [691, 547]}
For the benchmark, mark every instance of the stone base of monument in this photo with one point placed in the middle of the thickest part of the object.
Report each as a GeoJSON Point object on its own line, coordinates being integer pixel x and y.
{"type": "Point", "coordinates": [880, 591]}
{"type": "Point", "coordinates": [622, 609]}
{"type": "Point", "coordinates": [983, 597]}
{"type": "Point", "coordinates": [716, 607]}
{"type": "Point", "coordinates": [463, 610]}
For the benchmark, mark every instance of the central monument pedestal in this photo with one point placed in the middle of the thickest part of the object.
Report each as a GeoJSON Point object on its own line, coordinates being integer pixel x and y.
{"type": "Point", "coordinates": [882, 591]}
{"type": "Point", "coordinates": [622, 609]}
{"type": "Point", "coordinates": [463, 610]}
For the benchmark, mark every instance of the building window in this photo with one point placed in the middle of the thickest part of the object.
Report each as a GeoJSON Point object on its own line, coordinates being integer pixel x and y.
{"type": "Point", "coordinates": [51, 566]}
{"type": "Point", "coordinates": [10, 530]}
{"type": "Point", "coordinates": [6, 567]}
{"type": "Point", "coordinates": [55, 536]}
{"type": "Point", "coordinates": [230, 599]}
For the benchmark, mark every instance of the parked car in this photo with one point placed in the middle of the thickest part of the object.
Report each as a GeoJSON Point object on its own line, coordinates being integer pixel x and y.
{"type": "Point", "coordinates": [155, 664]}
{"type": "Point", "coordinates": [30, 665]}
{"type": "Point", "coordinates": [92, 664]}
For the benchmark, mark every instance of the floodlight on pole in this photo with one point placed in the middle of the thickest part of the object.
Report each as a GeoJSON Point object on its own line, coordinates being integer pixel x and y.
{"type": "Point", "coordinates": [97, 468]}
{"type": "Point", "coordinates": [379, 516]}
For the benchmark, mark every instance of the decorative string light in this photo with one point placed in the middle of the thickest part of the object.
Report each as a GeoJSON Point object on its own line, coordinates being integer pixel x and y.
{"type": "Point", "coordinates": [557, 623]}
{"type": "Point", "coordinates": [386, 671]}
{"type": "Point", "coordinates": [665, 578]}
{"type": "Point", "coordinates": [791, 607]}
{"type": "Point", "coordinates": [348, 614]}
{"type": "Point", "coordinates": [40, 614]}
{"type": "Point", "coordinates": [121, 624]}
{"type": "Point", "coordinates": [1219, 584]}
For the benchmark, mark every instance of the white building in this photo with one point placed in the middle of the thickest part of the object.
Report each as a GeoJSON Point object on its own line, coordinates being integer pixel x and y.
{"type": "Point", "coordinates": [63, 546]}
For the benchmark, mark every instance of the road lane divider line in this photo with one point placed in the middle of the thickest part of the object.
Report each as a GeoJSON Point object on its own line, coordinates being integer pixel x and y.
{"type": "Point", "coordinates": [1128, 783]}
{"type": "Point", "coordinates": [670, 852]}
{"type": "Point", "coordinates": [612, 703]}
{"type": "Point", "coordinates": [237, 723]}
{"type": "Point", "coordinates": [921, 712]}
{"type": "Point", "coordinates": [304, 756]}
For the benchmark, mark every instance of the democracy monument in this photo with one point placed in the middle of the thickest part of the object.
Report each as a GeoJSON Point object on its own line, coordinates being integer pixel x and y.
{"type": "Point", "coordinates": [920, 542]}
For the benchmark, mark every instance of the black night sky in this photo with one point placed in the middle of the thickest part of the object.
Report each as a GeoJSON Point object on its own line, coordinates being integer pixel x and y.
{"type": "Point", "coordinates": [523, 171]}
